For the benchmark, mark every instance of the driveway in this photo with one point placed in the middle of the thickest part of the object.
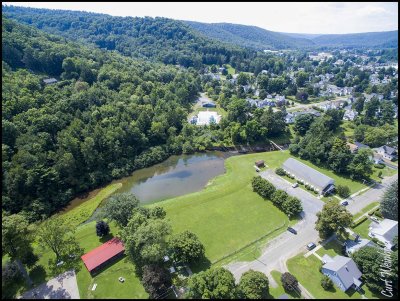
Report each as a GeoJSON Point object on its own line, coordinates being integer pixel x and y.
{"type": "Point", "coordinates": [64, 286]}
{"type": "Point", "coordinates": [287, 244]}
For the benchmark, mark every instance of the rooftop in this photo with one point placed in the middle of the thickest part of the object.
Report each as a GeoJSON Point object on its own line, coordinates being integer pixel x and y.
{"type": "Point", "coordinates": [345, 269]}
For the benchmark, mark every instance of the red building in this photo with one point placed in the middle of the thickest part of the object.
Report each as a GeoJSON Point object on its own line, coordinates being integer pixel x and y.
{"type": "Point", "coordinates": [106, 253]}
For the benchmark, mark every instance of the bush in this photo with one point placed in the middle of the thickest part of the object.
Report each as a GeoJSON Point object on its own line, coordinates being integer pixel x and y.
{"type": "Point", "coordinates": [364, 218]}
{"type": "Point", "coordinates": [102, 228]}
{"type": "Point", "coordinates": [10, 273]}
{"type": "Point", "coordinates": [379, 165]}
{"type": "Point", "coordinates": [280, 172]}
{"type": "Point", "coordinates": [378, 213]}
{"type": "Point", "coordinates": [343, 191]}
{"type": "Point", "coordinates": [326, 283]}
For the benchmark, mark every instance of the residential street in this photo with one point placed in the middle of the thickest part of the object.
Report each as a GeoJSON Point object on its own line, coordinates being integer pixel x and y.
{"type": "Point", "coordinates": [287, 244]}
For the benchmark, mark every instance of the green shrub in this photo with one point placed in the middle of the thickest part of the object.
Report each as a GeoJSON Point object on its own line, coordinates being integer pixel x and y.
{"type": "Point", "coordinates": [279, 171]}
{"type": "Point", "coordinates": [379, 165]}
{"type": "Point", "coordinates": [343, 191]}
{"type": "Point", "coordinates": [326, 283]}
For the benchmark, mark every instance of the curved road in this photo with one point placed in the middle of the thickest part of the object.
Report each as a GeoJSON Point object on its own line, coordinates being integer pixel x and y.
{"type": "Point", "coordinates": [287, 244]}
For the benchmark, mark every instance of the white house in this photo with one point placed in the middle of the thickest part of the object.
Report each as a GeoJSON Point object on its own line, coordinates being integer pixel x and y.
{"type": "Point", "coordinates": [387, 152]}
{"type": "Point", "coordinates": [343, 271]}
{"type": "Point", "coordinates": [207, 117]}
{"type": "Point", "coordinates": [350, 115]}
{"type": "Point", "coordinates": [289, 118]}
{"type": "Point", "coordinates": [384, 231]}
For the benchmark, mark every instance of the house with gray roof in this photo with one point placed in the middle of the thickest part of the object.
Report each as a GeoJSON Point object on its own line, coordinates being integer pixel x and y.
{"type": "Point", "coordinates": [322, 183]}
{"type": "Point", "coordinates": [387, 152]}
{"type": "Point", "coordinates": [343, 271]}
{"type": "Point", "coordinates": [357, 244]}
{"type": "Point", "coordinates": [384, 231]}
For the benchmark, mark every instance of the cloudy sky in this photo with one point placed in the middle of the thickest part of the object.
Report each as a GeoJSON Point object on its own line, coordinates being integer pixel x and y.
{"type": "Point", "coordinates": [329, 17]}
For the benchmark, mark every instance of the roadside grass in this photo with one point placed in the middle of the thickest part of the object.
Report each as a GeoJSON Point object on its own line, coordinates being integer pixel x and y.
{"type": "Point", "coordinates": [365, 210]}
{"type": "Point", "coordinates": [386, 172]}
{"type": "Point", "coordinates": [306, 270]}
{"type": "Point", "coordinates": [363, 228]}
{"type": "Point", "coordinates": [276, 292]}
{"type": "Point", "coordinates": [332, 249]}
{"type": "Point", "coordinates": [80, 214]}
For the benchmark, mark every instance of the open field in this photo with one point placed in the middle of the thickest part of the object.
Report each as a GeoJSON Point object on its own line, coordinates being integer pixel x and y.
{"type": "Point", "coordinates": [227, 214]}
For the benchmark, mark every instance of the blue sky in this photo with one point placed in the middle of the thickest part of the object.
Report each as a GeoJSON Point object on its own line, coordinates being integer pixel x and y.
{"type": "Point", "coordinates": [307, 17]}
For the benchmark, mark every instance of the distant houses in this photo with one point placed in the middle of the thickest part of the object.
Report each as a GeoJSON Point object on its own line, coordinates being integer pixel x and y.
{"type": "Point", "coordinates": [343, 271]}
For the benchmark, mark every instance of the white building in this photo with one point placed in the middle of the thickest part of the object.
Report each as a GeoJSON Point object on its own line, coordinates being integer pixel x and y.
{"type": "Point", "coordinates": [384, 231]}
{"type": "Point", "coordinates": [207, 117]}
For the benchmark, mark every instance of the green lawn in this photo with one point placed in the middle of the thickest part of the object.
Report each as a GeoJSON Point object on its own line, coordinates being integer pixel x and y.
{"type": "Point", "coordinates": [332, 248]}
{"type": "Point", "coordinates": [275, 292]}
{"type": "Point", "coordinates": [80, 214]}
{"type": "Point", "coordinates": [306, 270]}
{"type": "Point", "coordinates": [365, 209]}
{"type": "Point", "coordinates": [230, 69]}
{"type": "Point", "coordinates": [363, 228]}
{"type": "Point", "coordinates": [227, 214]}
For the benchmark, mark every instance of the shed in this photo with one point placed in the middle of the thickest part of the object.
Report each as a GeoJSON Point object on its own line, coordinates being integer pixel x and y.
{"type": "Point", "coordinates": [260, 163]}
{"type": "Point", "coordinates": [49, 81]}
{"type": "Point", "coordinates": [103, 254]}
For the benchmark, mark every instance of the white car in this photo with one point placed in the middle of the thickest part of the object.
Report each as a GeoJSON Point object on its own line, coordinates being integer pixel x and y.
{"type": "Point", "coordinates": [294, 185]}
{"type": "Point", "coordinates": [374, 219]}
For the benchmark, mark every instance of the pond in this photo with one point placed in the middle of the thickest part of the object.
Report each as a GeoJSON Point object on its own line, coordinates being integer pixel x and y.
{"type": "Point", "coordinates": [176, 176]}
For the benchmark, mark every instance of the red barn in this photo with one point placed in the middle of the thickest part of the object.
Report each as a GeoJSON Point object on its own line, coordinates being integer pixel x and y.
{"type": "Point", "coordinates": [107, 252]}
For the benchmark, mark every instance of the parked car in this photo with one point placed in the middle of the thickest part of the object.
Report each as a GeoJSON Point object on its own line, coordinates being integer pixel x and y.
{"type": "Point", "coordinates": [291, 230]}
{"type": "Point", "coordinates": [344, 203]}
{"type": "Point", "coordinates": [375, 219]}
{"type": "Point", "coordinates": [294, 185]}
{"type": "Point", "coordinates": [311, 246]}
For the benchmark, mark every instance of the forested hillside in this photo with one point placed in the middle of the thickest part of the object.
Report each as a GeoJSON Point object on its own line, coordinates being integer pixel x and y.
{"type": "Point", "coordinates": [250, 36]}
{"type": "Point", "coordinates": [107, 116]}
{"type": "Point", "coordinates": [165, 40]}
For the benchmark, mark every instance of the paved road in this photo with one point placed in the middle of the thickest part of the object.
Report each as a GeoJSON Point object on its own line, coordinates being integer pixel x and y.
{"type": "Point", "coordinates": [374, 194]}
{"type": "Point", "coordinates": [64, 286]}
{"type": "Point", "coordinates": [287, 244]}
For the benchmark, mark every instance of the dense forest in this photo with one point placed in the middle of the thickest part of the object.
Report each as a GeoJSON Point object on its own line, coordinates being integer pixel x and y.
{"type": "Point", "coordinates": [161, 39]}
{"type": "Point", "coordinates": [250, 36]}
{"type": "Point", "coordinates": [260, 39]}
{"type": "Point", "coordinates": [107, 116]}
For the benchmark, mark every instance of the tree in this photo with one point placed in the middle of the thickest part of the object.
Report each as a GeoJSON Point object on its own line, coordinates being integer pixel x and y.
{"type": "Point", "coordinates": [215, 283]}
{"type": "Point", "coordinates": [279, 171]}
{"type": "Point", "coordinates": [264, 188]}
{"type": "Point", "coordinates": [361, 165]}
{"type": "Point", "coordinates": [253, 285]}
{"type": "Point", "coordinates": [387, 110]}
{"type": "Point", "coordinates": [301, 78]}
{"type": "Point", "coordinates": [186, 247]}
{"type": "Point", "coordinates": [358, 105]}
{"type": "Point", "coordinates": [390, 202]}
{"type": "Point", "coordinates": [102, 228]}
{"type": "Point", "coordinates": [292, 206]}
{"type": "Point", "coordinates": [302, 96]}
{"type": "Point", "coordinates": [289, 282]}
{"type": "Point", "coordinates": [326, 283]}
{"type": "Point", "coordinates": [302, 123]}
{"type": "Point", "coordinates": [339, 156]}
{"type": "Point", "coordinates": [156, 280]}
{"type": "Point", "coordinates": [56, 234]}
{"type": "Point", "coordinates": [279, 197]}
{"type": "Point", "coordinates": [145, 238]}
{"type": "Point", "coordinates": [343, 191]}
{"type": "Point", "coordinates": [370, 260]}
{"type": "Point", "coordinates": [10, 275]}
{"type": "Point", "coordinates": [333, 218]}
{"type": "Point", "coordinates": [119, 208]}
{"type": "Point", "coordinates": [15, 236]}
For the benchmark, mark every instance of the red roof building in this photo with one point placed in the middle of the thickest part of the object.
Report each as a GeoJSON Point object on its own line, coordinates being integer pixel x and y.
{"type": "Point", "coordinates": [103, 254]}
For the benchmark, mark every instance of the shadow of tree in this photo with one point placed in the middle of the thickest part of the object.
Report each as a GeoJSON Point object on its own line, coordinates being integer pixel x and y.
{"type": "Point", "coordinates": [38, 274]}
{"type": "Point", "coordinates": [202, 265]}
{"type": "Point", "coordinates": [106, 238]}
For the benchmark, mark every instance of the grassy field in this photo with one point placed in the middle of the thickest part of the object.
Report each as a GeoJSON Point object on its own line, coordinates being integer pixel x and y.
{"type": "Point", "coordinates": [332, 248]}
{"type": "Point", "coordinates": [80, 214]}
{"type": "Point", "coordinates": [227, 214]}
{"type": "Point", "coordinates": [230, 69]}
{"type": "Point", "coordinates": [306, 270]}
